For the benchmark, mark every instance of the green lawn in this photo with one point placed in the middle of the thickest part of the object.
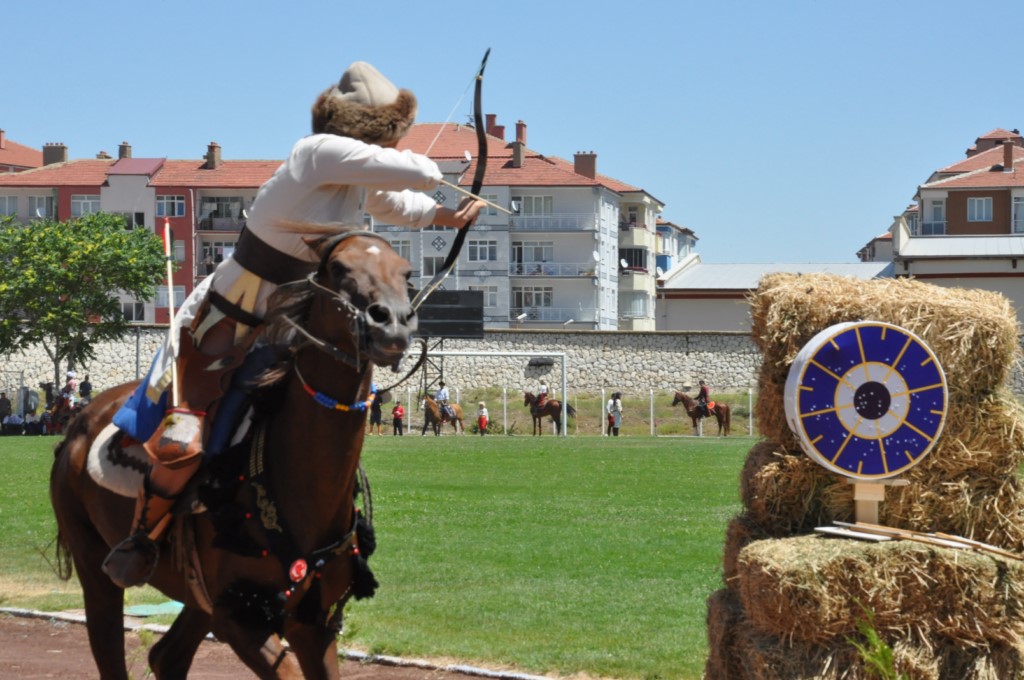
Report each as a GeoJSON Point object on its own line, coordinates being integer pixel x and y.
{"type": "Point", "coordinates": [579, 554]}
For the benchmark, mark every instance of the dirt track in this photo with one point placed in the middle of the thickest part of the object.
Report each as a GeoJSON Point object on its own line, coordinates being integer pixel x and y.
{"type": "Point", "coordinates": [37, 648]}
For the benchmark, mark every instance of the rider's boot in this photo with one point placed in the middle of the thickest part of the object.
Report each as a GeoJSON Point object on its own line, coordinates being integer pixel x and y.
{"type": "Point", "coordinates": [133, 560]}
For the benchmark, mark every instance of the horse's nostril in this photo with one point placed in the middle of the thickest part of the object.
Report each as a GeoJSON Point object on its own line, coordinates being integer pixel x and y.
{"type": "Point", "coordinates": [379, 314]}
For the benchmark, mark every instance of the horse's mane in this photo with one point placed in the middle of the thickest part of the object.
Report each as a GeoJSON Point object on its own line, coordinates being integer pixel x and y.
{"type": "Point", "coordinates": [288, 305]}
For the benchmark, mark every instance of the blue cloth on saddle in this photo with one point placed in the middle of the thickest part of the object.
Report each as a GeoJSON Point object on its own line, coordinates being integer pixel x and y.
{"type": "Point", "coordinates": [139, 417]}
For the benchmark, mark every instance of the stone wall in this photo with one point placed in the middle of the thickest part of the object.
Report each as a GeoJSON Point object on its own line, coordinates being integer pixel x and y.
{"type": "Point", "coordinates": [632, 362]}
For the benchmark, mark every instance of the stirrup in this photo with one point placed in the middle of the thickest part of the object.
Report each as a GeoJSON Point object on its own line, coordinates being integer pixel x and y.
{"type": "Point", "coordinates": [132, 561]}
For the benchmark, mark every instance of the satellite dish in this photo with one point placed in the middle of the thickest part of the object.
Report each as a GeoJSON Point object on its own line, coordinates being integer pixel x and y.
{"type": "Point", "coordinates": [245, 214]}
{"type": "Point", "coordinates": [624, 264]}
{"type": "Point", "coordinates": [661, 272]}
{"type": "Point", "coordinates": [468, 156]}
{"type": "Point", "coordinates": [597, 256]}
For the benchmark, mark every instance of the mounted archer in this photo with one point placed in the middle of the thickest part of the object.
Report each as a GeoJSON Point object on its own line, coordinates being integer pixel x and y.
{"type": "Point", "coordinates": [348, 166]}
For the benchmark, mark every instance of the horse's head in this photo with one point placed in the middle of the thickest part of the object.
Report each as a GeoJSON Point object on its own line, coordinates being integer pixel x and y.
{"type": "Point", "coordinates": [528, 398]}
{"type": "Point", "coordinates": [368, 284]}
{"type": "Point", "coordinates": [679, 398]}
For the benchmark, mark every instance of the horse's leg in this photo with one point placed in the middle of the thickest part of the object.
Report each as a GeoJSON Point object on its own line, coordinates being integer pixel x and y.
{"type": "Point", "coordinates": [259, 648]}
{"type": "Point", "coordinates": [316, 649]}
{"type": "Point", "coordinates": [104, 601]}
{"type": "Point", "coordinates": [171, 657]}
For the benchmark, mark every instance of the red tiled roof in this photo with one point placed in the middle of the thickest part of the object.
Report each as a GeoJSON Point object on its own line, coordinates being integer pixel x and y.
{"type": "Point", "coordinates": [229, 174]}
{"type": "Point", "coordinates": [451, 140]}
{"type": "Point", "coordinates": [984, 178]}
{"type": "Point", "coordinates": [19, 155]}
{"type": "Point", "coordinates": [136, 166]}
{"type": "Point", "coordinates": [999, 133]}
{"type": "Point", "coordinates": [985, 159]}
{"type": "Point", "coordinates": [72, 173]}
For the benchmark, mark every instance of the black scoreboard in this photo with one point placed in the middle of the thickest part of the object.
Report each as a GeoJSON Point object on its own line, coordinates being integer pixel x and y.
{"type": "Point", "coordinates": [452, 314]}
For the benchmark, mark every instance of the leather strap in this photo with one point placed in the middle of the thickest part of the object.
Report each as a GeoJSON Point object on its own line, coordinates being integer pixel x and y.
{"type": "Point", "coordinates": [267, 262]}
{"type": "Point", "coordinates": [233, 311]}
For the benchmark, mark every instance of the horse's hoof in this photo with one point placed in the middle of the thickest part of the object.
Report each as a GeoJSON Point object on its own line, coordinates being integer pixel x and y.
{"type": "Point", "coordinates": [132, 561]}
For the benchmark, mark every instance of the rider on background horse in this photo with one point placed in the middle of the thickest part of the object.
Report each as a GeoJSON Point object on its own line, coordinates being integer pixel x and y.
{"type": "Point", "coordinates": [69, 389]}
{"type": "Point", "coordinates": [704, 399]}
{"type": "Point", "coordinates": [441, 397]}
{"type": "Point", "coordinates": [542, 394]}
{"type": "Point", "coordinates": [348, 166]}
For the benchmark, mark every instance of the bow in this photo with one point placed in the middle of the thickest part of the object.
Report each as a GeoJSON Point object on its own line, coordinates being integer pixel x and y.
{"type": "Point", "coordinates": [478, 182]}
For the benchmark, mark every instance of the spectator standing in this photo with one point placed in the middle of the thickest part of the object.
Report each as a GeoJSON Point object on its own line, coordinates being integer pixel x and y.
{"type": "Point", "coordinates": [481, 418]}
{"type": "Point", "coordinates": [615, 413]}
{"type": "Point", "coordinates": [398, 419]}
{"type": "Point", "coordinates": [85, 390]}
{"type": "Point", "coordinates": [375, 414]}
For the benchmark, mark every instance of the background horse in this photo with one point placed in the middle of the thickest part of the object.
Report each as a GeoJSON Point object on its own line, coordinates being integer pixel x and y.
{"type": "Point", "coordinates": [720, 411]}
{"type": "Point", "coordinates": [432, 417]}
{"type": "Point", "coordinates": [289, 560]}
{"type": "Point", "coordinates": [61, 414]}
{"type": "Point", "coordinates": [551, 408]}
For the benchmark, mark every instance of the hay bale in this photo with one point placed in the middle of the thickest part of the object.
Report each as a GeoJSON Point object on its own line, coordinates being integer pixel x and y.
{"type": "Point", "coordinates": [740, 531]}
{"type": "Point", "coordinates": [724, 614]}
{"type": "Point", "coordinates": [772, 658]}
{"type": "Point", "coordinates": [973, 333]}
{"type": "Point", "coordinates": [813, 589]}
{"type": "Point", "coordinates": [786, 493]}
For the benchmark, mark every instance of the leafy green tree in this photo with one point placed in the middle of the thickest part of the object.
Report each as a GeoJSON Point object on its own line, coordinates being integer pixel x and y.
{"type": "Point", "coordinates": [60, 282]}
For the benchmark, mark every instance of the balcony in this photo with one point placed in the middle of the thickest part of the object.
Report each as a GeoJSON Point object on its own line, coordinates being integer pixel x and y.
{"type": "Point", "coordinates": [221, 224]}
{"type": "Point", "coordinates": [554, 222]}
{"type": "Point", "coordinates": [553, 269]}
{"type": "Point", "coordinates": [636, 236]}
{"type": "Point", "coordinates": [932, 229]}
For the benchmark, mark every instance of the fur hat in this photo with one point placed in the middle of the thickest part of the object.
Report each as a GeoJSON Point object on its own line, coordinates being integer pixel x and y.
{"type": "Point", "coordinates": [366, 106]}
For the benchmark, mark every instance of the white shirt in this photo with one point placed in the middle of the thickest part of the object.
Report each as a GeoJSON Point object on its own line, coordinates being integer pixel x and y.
{"type": "Point", "coordinates": [442, 394]}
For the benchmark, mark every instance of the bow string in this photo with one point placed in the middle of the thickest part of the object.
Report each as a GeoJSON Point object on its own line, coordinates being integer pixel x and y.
{"type": "Point", "coordinates": [478, 182]}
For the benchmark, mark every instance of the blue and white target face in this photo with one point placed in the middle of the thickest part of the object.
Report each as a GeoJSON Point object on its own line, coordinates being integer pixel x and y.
{"type": "Point", "coordinates": [866, 399]}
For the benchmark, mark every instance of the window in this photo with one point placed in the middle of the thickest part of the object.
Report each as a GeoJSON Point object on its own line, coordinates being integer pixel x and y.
{"type": "Point", "coordinates": [935, 219]}
{"type": "Point", "coordinates": [40, 207]}
{"type": "Point", "coordinates": [84, 204]}
{"type": "Point", "coordinates": [218, 206]}
{"type": "Point", "coordinates": [179, 251]}
{"type": "Point", "coordinates": [216, 251]}
{"type": "Point", "coordinates": [527, 253]}
{"type": "Point", "coordinates": [170, 206]}
{"type": "Point", "coordinates": [432, 264]}
{"type": "Point", "coordinates": [490, 294]}
{"type": "Point", "coordinates": [483, 251]}
{"type": "Point", "coordinates": [528, 297]}
{"type": "Point", "coordinates": [979, 209]}
{"type": "Point", "coordinates": [403, 248]}
{"type": "Point", "coordinates": [161, 296]}
{"type": "Point", "coordinates": [633, 305]}
{"type": "Point", "coordinates": [132, 220]}
{"type": "Point", "coordinates": [133, 311]}
{"type": "Point", "coordinates": [636, 258]}
{"type": "Point", "coordinates": [535, 205]}
{"type": "Point", "coordinates": [489, 210]}
{"type": "Point", "coordinates": [1018, 215]}
{"type": "Point", "coordinates": [8, 205]}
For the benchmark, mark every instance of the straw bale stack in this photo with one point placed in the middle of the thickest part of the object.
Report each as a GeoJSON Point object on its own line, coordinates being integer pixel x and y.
{"type": "Point", "coordinates": [792, 599]}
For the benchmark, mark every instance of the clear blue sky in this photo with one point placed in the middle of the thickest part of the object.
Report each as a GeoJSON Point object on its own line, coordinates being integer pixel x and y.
{"type": "Point", "coordinates": [777, 131]}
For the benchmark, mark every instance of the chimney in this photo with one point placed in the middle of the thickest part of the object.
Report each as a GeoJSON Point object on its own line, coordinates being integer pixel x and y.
{"type": "Point", "coordinates": [55, 153]}
{"type": "Point", "coordinates": [489, 120]}
{"type": "Point", "coordinates": [1007, 156]}
{"type": "Point", "coordinates": [521, 132]}
{"type": "Point", "coordinates": [3, 140]}
{"type": "Point", "coordinates": [499, 132]}
{"type": "Point", "coordinates": [124, 150]}
{"type": "Point", "coordinates": [103, 156]}
{"type": "Point", "coordinates": [586, 164]}
{"type": "Point", "coordinates": [212, 156]}
{"type": "Point", "coordinates": [517, 154]}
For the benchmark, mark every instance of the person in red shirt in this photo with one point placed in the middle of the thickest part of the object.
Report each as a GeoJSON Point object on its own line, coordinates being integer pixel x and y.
{"type": "Point", "coordinates": [398, 418]}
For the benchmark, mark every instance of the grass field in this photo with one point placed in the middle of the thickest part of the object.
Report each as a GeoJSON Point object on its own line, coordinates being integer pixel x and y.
{"type": "Point", "coordinates": [580, 554]}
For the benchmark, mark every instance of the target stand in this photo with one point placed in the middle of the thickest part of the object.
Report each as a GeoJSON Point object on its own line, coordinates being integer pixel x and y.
{"type": "Point", "coordinates": [867, 400]}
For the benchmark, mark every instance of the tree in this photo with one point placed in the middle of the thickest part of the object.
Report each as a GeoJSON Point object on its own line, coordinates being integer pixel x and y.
{"type": "Point", "coordinates": [60, 283]}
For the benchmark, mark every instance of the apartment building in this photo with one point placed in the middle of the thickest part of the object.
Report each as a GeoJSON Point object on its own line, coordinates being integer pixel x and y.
{"type": "Point", "coordinates": [966, 225]}
{"type": "Point", "coordinates": [578, 251]}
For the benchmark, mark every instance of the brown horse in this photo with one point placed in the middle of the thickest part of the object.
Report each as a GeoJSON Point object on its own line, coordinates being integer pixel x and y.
{"type": "Point", "coordinates": [720, 411]}
{"type": "Point", "coordinates": [432, 417]}
{"type": "Point", "coordinates": [551, 408]}
{"type": "Point", "coordinates": [293, 560]}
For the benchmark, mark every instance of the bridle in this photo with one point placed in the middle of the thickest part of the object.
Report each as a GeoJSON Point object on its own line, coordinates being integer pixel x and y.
{"type": "Point", "coordinates": [358, 328]}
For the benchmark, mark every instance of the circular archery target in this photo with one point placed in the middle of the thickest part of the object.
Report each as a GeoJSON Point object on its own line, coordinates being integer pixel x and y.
{"type": "Point", "coordinates": [866, 399]}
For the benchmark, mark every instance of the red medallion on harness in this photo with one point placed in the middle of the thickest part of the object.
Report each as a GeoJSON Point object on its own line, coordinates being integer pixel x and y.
{"type": "Point", "coordinates": [298, 570]}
